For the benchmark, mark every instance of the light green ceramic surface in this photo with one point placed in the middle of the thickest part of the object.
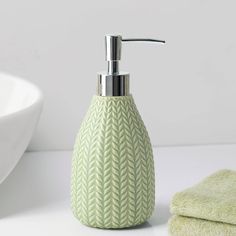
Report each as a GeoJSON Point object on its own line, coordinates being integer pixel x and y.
{"type": "Point", "coordinates": [113, 183]}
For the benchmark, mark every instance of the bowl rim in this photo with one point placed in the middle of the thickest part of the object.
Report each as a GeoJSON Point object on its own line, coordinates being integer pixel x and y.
{"type": "Point", "coordinates": [38, 99]}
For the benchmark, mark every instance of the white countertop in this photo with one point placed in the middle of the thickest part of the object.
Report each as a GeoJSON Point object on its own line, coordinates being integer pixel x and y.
{"type": "Point", "coordinates": [35, 198]}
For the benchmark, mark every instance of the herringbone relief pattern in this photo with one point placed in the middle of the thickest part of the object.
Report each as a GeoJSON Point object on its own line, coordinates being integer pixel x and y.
{"type": "Point", "coordinates": [112, 169]}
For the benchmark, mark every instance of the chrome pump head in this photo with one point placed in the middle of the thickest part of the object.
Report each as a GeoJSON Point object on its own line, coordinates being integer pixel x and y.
{"type": "Point", "coordinates": [113, 82]}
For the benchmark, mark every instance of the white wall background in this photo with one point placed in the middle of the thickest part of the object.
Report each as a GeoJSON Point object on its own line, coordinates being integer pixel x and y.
{"type": "Point", "coordinates": [185, 90]}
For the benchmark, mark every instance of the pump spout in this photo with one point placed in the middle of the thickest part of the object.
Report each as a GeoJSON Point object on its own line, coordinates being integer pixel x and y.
{"type": "Point", "coordinates": [113, 82]}
{"type": "Point", "coordinates": [113, 44]}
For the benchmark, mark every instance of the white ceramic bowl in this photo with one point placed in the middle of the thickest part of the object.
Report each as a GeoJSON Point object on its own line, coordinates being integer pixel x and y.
{"type": "Point", "coordinates": [20, 107]}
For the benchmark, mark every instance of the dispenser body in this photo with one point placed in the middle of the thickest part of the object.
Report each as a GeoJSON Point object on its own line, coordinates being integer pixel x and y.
{"type": "Point", "coordinates": [113, 180]}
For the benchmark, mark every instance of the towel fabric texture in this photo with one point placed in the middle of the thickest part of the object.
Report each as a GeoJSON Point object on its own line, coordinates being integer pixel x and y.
{"type": "Point", "coordinates": [186, 226]}
{"type": "Point", "coordinates": [208, 208]}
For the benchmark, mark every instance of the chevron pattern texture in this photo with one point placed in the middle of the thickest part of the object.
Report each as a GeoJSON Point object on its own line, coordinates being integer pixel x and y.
{"type": "Point", "coordinates": [113, 182]}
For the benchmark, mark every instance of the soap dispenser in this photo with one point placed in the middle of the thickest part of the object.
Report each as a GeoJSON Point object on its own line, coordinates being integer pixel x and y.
{"type": "Point", "coordinates": [113, 179]}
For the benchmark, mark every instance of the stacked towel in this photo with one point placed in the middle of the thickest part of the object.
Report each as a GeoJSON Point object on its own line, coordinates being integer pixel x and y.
{"type": "Point", "coordinates": [207, 209]}
{"type": "Point", "coordinates": [186, 226]}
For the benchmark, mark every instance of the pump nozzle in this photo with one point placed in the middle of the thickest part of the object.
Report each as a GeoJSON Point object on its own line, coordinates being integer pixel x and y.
{"type": "Point", "coordinates": [113, 82]}
{"type": "Point", "coordinates": [113, 49]}
{"type": "Point", "coordinates": [143, 40]}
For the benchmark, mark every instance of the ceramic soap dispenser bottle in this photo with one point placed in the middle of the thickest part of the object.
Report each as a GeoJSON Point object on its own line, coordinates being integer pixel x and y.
{"type": "Point", "coordinates": [113, 183]}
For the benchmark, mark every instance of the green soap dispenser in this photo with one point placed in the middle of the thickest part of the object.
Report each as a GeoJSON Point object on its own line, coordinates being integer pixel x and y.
{"type": "Point", "coordinates": [113, 179]}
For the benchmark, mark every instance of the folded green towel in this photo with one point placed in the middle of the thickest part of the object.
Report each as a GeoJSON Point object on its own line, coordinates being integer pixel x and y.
{"type": "Point", "coordinates": [186, 226]}
{"type": "Point", "coordinates": [213, 199]}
